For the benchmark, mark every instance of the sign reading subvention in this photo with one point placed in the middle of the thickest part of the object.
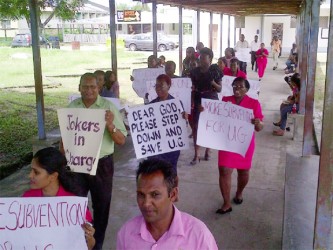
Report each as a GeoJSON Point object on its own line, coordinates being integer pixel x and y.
{"type": "Point", "coordinates": [129, 16]}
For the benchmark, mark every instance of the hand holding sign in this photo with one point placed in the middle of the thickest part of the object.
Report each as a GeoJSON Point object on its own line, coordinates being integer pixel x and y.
{"type": "Point", "coordinates": [158, 128]}
{"type": "Point", "coordinates": [225, 126]}
{"type": "Point", "coordinates": [43, 223]}
{"type": "Point", "coordinates": [82, 132]}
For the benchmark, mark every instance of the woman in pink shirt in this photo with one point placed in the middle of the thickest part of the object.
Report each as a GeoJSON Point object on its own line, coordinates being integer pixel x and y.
{"type": "Point", "coordinates": [227, 161]}
{"type": "Point", "coordinates": [234, 69]}
{"type": "Point", "coordinates": [49, 177]}
{"type": "Point", "coordinates": [261, 55]}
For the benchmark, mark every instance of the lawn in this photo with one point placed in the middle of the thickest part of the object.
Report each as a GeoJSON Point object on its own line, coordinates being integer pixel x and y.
{"type": "Point", "coordinates": [61, 71]}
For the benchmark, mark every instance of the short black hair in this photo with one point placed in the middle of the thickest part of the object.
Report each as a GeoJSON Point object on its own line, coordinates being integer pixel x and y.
{"type": "Point", "coordinates": [296, 78]}
{"type": "Point", "coordinates": [87, 76]}
{"type": "Point", "coordinates": [207, 51]}
{"type": "Point", "coordinates": [99, 72]}
{"type": "Point", "coordinates": [153, 165]}
{"type": "Point", "coordinates": [234, 60]}
{"type": "Point", "coordinates": [241, 79]}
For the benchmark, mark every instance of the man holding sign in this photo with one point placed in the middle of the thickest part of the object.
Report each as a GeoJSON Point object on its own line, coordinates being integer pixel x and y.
{"type": "Point", "coordinates": [227, 161]}
{"type": "Point", "coordinates": [100, 185]}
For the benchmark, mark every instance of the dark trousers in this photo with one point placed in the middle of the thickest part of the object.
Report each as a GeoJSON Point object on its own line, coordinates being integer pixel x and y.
{"type": "Point", "coordinates": [100, 187]}
{"type": "Point", "coordinates": [254, 60]}
{"type": "Point", "coordinates": [242, 66]}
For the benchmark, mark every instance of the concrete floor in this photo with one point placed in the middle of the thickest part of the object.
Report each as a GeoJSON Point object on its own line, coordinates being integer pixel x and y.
{"type": "Point", "coordinates": [256, 224]}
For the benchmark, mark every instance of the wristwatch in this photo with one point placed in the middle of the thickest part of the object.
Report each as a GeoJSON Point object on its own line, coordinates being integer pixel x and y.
{"type": "Point", "coordinates": [114, 130]}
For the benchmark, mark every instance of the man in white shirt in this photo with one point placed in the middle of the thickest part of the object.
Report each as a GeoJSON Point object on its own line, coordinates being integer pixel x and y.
{"type": "Point", "coordinates": [242, 43]}
{"type": "Point", "coordinates": [254, 48]}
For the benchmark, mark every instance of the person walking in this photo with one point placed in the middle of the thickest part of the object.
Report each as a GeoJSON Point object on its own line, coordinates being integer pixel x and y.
{"type": "Point", "coordinates": [242, 44]}
{"type": "Point", "coordinates": [276, 48]}
{"type": "Point", "coordinates": [100, 185]}
{"type": "Point", "coordinates": [255, 45]}
{"type": "Point", "coordinates": [227, 161]}
{"type": "Point", "coordinates": [261, 55]}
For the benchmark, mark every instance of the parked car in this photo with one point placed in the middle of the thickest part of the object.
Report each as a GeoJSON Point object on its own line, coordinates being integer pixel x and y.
{"type": "Point", "coordinates": [21, 40]}
{"type": "Point", "coordinates": [144, 41]}
{"type": "Point", "coordinates": [24, 40]}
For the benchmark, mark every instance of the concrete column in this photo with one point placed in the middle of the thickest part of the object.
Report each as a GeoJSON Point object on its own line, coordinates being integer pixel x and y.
{"type": "Point", "coordinates": [323, 219]}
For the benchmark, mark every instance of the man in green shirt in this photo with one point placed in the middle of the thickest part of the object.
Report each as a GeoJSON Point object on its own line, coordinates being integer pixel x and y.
{"type": "Point", "coordinates": [100, 185]}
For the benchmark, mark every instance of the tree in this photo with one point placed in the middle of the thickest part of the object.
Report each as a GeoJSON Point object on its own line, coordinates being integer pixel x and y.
{"type": "Point", "coordinates": [17, 9]}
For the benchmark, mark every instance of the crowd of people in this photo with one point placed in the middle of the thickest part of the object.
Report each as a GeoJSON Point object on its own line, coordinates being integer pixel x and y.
{"type": "Point", "coordinates": [156, 177]}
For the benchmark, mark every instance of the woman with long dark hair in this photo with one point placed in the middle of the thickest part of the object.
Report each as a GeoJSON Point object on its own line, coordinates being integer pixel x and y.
{"type": "Point", "coordinates": [50, 177]}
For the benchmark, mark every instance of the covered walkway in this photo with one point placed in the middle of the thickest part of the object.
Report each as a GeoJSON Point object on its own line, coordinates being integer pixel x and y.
{"type": "Point", "coordinates": [256, 224]}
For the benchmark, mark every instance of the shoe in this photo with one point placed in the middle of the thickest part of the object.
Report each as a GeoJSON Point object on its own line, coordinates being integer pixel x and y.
{"type": "Point", "coordinates": [288, 129]}
{"type": "Point", "coordinates": [277, 124]}
{"type": "Point", "coordinates": [220, 211]}
{"type": "Point", "coordinates": [238, 201]}
{"type": "Point", "coordinates": [279, 132]}
{"type": "Point", "coordinates": [194, 161]}
{"type": "Point", "coordinates": [274, 68]}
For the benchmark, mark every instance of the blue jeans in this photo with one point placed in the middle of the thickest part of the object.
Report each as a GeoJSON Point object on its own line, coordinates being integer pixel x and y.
{"type": "Point", "coordinates": [284, 114]}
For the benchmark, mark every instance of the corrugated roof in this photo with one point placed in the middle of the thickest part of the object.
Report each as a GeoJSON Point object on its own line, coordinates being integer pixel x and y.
{"type": "Point", "coordinates": [238, 7]}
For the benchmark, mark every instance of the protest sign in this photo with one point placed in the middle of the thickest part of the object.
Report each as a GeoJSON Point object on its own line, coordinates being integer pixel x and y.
{"type": "Point", "coordinates": [158, 128]}
{"type": "Point", "coordinates": [243, 54]}
{"type": "Point", "coordinates": [180, 89]}
{"type": "Point", "coordinates": [82, 133]}
{"type": "Point", "coordinates": [227, 89]}
{"type": "Point", "coordinates": [142, 76]}
{"type": "Point", "coordinates": [115, 101]}
{"type": "Point", "coordinates": [225, 126]}
{"type": "Point", "coordinates": [42, 223]}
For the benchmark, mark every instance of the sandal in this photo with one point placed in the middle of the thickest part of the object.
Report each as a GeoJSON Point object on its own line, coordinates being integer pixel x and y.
{"type": "Point", "coordinates": [277, 124]}
{"type": "Point", "coordinates": [279, 132]}
{"type": "Point", "coordinates": [238, 201]}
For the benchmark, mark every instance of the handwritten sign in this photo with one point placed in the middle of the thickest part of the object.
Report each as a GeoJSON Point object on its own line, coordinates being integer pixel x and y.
{"type": "Point", "coordinates": [115, 101]}
{"type": "Point", "coordinates": [42, 223]}
{"type": "Point", "coordinates": [227, 89]}
{"type": "Point", "coordinates": [225, 126]}
{"type": "Point", "coordinates": [243, 54]}
{"type": "Point", "coordinates": [82, 132]}
{"type": "Point", "coordinates": [180, 89]}
{"type": "Point", "coordinates": [142, 76]}
{"type": "Point", "coordinates": [158, 128]}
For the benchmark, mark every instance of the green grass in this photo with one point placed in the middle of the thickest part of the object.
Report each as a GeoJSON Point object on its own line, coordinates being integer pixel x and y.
{"type": "Point", "coordinates": [18, 121]}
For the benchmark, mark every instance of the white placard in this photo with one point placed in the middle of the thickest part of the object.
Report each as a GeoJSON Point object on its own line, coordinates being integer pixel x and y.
{"type": "Point", "coordinates": [225, 126]}
{"type": "Point", "coordinates": [228, 91]}
{"type": "Point", "coordinates": [48, 223]}
{"type": "Point", "coordinates": [82, 133]}
{"type": "Point", "coordinates": [180, 89]}
{"type": "Point", "coordinates": [243, 54]}
{"type": "Point", "coordinates": [115, 101]}
{"type": "Point", "coordinates": [158, 128]}
{"type": "Point", "coordinates": [142, 76]}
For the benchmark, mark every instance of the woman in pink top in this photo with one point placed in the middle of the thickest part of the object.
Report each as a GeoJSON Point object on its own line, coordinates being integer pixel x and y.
{"type": "Point", "coordinates": [261, 55]}
{"type": "Point", "coordinates": [227, 161]}
{"type": "Point", "coordinates": [49, 177]}
{"type": "Point", "coordinates": [234, 69]}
